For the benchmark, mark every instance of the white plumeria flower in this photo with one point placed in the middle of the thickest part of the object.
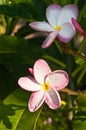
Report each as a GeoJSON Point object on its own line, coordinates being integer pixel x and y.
{"type": "Point", "coordinates": [44, 84]}
{"type": "Point", "coordinates": [59, 23]}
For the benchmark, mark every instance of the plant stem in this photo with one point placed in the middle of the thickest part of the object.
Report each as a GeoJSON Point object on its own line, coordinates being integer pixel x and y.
{"type": "Point", "coordinates": [72, 92]}
{"type": "Point", "coordinates": [70, 62]}
{"type": "Point", "coordinates": [81, 76]}
{"type": "Point", "coordinates": [68, 51]}
{"type": "Point", "coordinates": [82, 44]}
{"type": "Point", "coordinates": [69, 113]}
{"type": "Point", "coordinates": [78, 69]}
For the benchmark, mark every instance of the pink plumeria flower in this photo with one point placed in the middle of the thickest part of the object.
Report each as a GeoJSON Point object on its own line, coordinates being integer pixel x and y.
{"type": "Point", "coordinates": [59, 23]}
{"type": "Point", "coordinates": [78, 27]}
{"type": "Point", "coordinates": [43, 85]}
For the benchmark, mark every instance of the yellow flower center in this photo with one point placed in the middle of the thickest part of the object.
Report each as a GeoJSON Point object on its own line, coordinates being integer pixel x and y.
{"type": "Point", "coordinates": [58, 28]}
{"type": "Point", "coordinates": [45, 86]}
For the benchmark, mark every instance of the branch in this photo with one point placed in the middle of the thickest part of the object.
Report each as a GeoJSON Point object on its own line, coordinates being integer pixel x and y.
{"type": "Point", "coordinates": [68, 51]}
{"type": "Point", "coordinates": [71, 92]}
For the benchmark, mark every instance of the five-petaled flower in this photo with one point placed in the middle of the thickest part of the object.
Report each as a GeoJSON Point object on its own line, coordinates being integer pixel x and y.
{"type": "Point", "coordinates": [59, 23]}
{"type": "Point", "coordinates": [44, 84]}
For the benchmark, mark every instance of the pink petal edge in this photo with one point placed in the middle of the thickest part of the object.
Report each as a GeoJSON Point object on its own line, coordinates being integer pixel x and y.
{"type": "Point", "coordinates": [50, 39]}
{"type": "Point", "coordinates": [36, 100]}
{"type": "Point", "coordinates": [31, 70]}
{"type": "Point", "coordinates": [58, 79]}
{"type": "Point", "coordinates": [41, 69]}
{"type": "Point", "coordinates": [68, 12]}
{"type": "Point", "coordinates": [53, 99]}
{"type": "Point", "coordinates": [29, 84]}
{"type": "Point", "coordinates": [77, 26]}
{"type": "Point", "coordinates": [67, 33]}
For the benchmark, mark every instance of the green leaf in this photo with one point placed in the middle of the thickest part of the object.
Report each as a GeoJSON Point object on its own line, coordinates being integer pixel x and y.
{"type": "Point", "coordinates": [7, 82]}
{"type": "Point", "coordinates": [2, 2]}
{"type": "Point", "coordinates": [15, 49]}
{"type": "Point", "coordinates": [9, 2]}
{"type": "Point", "coordinates": [17, 1]}
{"type": "Point", "coordinates": [27, 10]}
{"type": "Point", "coordinates": [18, 50]}
{"type": "Point", "coordinates": [79, 121]}
{"type": "Point", "coordinates": [81, 99]}
{"type": "Point", "coordinates": [30, 9]}
{"type": "Point", "coordinates": [14, 113]}
{"type": "Point", "coordinates": [80, 61]}
{"type": "Point", "coordinates": [59, 63]}
{"type": "Point", "coordinates": [80, 124]}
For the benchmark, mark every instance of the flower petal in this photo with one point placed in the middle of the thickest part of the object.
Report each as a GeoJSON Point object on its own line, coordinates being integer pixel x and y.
{"type": "Point", "coordinates": [53, 98]}
{"type": "Point", "coordinates": [28, 83]}
{"type": "Point", "coordinates": [57, 79]}
{"type": "Point", "coordinates": [41, 26]}
{"type": "Point", "coordinates": [67, 32]}
{"type": "Point", "coordinates": [41, 69]}
{"type": "Point", "coordinates": [31, 70]}
{"type": "Point", "coordinates": [50, 38]}
{"type": "Point", "coordinates": [36, 100]}
{"type": "Point", "coordinates": [68, 12]}
{"type": "Point", "coordinates": [77, 26]}
{"type": "Point", "coordinates": [52, 13]}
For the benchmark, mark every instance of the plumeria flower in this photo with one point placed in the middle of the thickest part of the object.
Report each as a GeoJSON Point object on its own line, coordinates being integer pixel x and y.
{"type": "Point", "coordinates": [78, 27]}
{"type": "Point", "coordinates": [59, 23]}
{"type": "Point", "coordinates": [43, 85]}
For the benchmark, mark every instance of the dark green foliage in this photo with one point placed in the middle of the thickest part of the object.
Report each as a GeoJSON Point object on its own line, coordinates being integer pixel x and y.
{"type": "Point", "coordinates": [18, 53]}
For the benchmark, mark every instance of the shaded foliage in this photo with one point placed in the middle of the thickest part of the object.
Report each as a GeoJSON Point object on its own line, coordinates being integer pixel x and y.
{"type": "Point", "coordinates": [18, 53]}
